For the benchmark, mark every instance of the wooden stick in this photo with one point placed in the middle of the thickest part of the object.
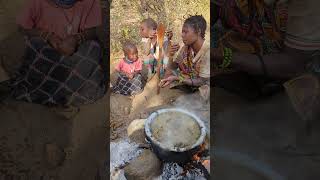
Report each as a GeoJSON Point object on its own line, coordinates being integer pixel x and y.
{"type": "Point", "coordinates": [161, 33]}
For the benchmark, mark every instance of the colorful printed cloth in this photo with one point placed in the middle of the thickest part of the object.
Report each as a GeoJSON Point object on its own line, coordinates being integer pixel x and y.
{"type": "Point", "coordinates": [193, 65]}
{"type": "Point", "coordinates": [251, 26]}
{"type": "Point", "coordinates": [48, 78]}
{"type": "Point", "coordinates": [152, 64]}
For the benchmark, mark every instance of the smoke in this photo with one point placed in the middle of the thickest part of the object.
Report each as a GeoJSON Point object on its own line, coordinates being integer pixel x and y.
{"type": "Point", "coordinates": [195, 104]}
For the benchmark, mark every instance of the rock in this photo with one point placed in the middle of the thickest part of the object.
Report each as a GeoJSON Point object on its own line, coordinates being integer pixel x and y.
{"type": "Point", "coordinates": [117, 175]}
{"type": "Point", "coordinates": [205, 92]}
{"type": "Point", "coordinates": [145, 166]}
{"type": "Point", "coordinates": [54, 155]}
{"type": "Point", "coordinates": [126, 111]}
{"type": "Point", "coordinates": [135, 131]}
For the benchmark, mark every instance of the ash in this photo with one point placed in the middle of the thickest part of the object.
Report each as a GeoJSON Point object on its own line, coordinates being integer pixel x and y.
{"type": "Point", "coordinates": [122, 152]}
{"type": "Point", "coordinates": [172, 171]}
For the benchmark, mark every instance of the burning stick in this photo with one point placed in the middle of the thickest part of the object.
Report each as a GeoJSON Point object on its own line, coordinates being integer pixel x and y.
{"type": "Point", "coordinates": [198, 162]}
{"type": "Point", "coordinates": [160, 33]}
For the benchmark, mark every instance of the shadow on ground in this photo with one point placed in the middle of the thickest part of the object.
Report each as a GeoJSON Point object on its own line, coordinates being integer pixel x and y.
{"type": "Point", "coordinates": [260, 130]}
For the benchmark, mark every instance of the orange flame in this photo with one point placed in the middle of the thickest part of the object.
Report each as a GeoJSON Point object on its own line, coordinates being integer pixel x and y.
{"type": "Point", "coordinates": [197, 156]}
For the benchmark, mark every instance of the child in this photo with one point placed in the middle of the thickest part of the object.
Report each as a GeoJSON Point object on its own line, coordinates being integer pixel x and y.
{"type": "Point", "coordinates": [129, 70]}
{"type": "Point", "coordinates": [148, 30]}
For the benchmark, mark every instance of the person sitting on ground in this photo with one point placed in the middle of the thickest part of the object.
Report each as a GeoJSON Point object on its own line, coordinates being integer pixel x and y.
{"type": "Point", "coordinates": [298, 56]}
{"type": "Point", "coordinates": [191, 67]}
{"type": "Point", "coordinates": [248, 27]}
{"type": "Point", "coordinates": [129, 72]}
{"type": "Point", "coordinates": [62, 61]}
{"type": "Point", "coordinates": [148, 31]}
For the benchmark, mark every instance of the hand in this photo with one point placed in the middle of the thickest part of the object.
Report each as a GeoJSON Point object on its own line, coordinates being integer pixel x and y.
{"type": "Point", "coordinates": [165, 82]}
{"type": "Point", "coordinates": [54, 41]}
{"type": "Point", "coordinates": [169, 34]}
{"type": "Point", "coordinates": [153, 34]}
{"type": "Point", "coordinates": [68, 46]}
{"type": "Point", "coordinates": [173, 49]}
{"type": "Point", "coordinates": [130, 76]}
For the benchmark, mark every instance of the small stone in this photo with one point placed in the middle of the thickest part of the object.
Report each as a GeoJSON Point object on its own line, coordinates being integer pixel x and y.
{"type": "Point", "coordinates": [54, 155]}
{"type": "Point", "coordinates": [135, 131]}
{"type": "Point", "coordinates": [126, 111]}
{"type": "Point", "coordinates": [145, 166]}
{"type": "Point", "coordinates": [205, 92]}
{"type": "Point", "coordinates": [114, 136]}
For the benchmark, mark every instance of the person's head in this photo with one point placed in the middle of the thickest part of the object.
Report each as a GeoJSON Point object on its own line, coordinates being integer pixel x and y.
{"type": "Point", "coordinates": [130, 51]}
{"type": "Point", "coordinates": [193, 29]}
{"type": "Point", "coordinates": [147, 26]}
{"type": "Point", "coordinates": [65, 3]}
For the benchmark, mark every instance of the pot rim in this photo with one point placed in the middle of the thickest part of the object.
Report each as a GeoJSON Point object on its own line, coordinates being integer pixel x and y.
{"type": "Point", "coordinates": [174, 149]}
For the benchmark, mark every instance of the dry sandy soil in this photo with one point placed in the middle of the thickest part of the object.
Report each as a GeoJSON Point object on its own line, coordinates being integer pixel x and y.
{"type": "Point", "coordinates": [125, 109]}
{"type": "Point", "coordinates": [26, 129]}
{"type": "Point", "coordinates": [41, 143]}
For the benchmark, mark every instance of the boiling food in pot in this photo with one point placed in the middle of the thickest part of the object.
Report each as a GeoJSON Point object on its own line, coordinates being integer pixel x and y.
{"type": "Point", "coordinates": [175, 130]}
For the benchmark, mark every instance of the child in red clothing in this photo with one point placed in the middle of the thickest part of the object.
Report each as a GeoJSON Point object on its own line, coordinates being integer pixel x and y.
{"type": "Point", "coordinates": [129, 68]}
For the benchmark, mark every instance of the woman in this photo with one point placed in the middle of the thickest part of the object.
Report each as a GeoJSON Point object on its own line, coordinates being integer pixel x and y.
{"type": "Point", "coordinates": [249, 28]}
{"type": "Point", "coordinates": [62, 61]}
{"type": "Point", "coordinates": [191, 67]}
{"type": "Point", "coordinates": [299, 54]}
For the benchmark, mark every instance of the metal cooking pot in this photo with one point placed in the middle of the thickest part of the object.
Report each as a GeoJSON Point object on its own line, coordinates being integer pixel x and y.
{"type": "Point", "coordinates": [174, 154]}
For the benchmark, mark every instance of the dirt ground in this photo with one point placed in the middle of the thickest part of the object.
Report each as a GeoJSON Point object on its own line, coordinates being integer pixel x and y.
{"type": "Point", "coordinates": [26, 129]}
{"type": "Point", "coordinates": [260, 130]}
{"type": "Point", "coordinates": [124, 109]}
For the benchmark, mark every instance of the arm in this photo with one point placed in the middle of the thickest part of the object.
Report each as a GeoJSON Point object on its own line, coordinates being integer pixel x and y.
{"type": "Point", "coordinates": [172, 65]}
{"type": "Point", "coordinates": [195, 82]}
{"type": "Point", "coordinates": [87, 34]}
{"type": "Point", "coordinates": [286, 64]}
{"type": "Point", "coordinates": [137, 72]}
{"type": "Point", "coordinates": [51, 38]}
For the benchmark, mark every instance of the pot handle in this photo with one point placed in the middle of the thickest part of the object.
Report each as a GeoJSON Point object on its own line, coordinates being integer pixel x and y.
{"type": "Point", "coordinates": [147, 141]}
{"type": "Point", "coordinates": [145, 146]}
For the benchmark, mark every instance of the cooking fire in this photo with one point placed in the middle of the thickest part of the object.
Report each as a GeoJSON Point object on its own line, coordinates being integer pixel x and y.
{"type": "Point", "coordinates": [172, 144]}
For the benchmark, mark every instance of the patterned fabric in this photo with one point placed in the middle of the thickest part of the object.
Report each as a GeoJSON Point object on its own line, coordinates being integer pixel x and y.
{"type": "Point", "coordinates": [194, 66]}
{"type": "Point", "coordinates": [127, 87]}
{"type": "Point", "coordinates": [48, 78]}
{"type": "Point", "coordinates": [251, 26]}
{"type": "Point", "coordinates": [186, 66]}
{"type": "Point", "coordinates": [151, 64]}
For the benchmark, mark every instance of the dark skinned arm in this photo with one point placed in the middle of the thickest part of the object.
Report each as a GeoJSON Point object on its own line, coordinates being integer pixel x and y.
{"type": "Point", "coordinates": [89, 34]}
{"type": "Point", "coordinates": [137, 72]}
{"type": "Point", "coordinates": [195, 82]}
{"type": "Point", "coordinates": [285, 65]}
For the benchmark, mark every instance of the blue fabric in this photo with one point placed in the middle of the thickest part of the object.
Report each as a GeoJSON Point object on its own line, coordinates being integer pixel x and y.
{"type": "Point", "coordinates": [65, 2]}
